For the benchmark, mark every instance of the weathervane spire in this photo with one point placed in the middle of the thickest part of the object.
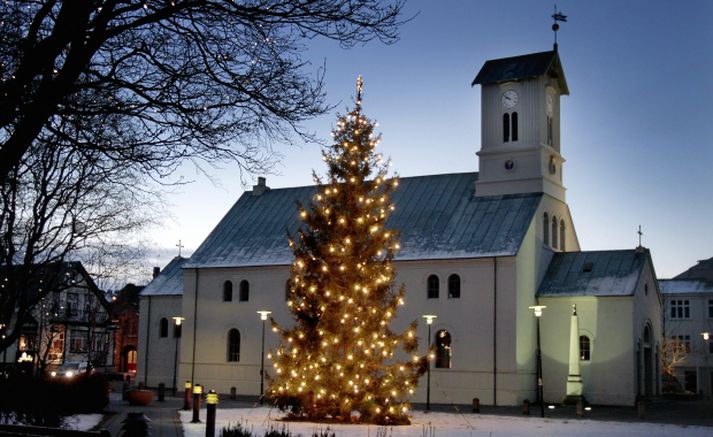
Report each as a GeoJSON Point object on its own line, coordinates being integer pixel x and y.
{"type": "Point", "coordinates": [557, 16]}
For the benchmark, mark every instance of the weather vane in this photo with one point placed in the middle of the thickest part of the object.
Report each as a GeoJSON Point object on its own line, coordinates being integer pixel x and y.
{"type": "Point", "coordinates": [557, 16]}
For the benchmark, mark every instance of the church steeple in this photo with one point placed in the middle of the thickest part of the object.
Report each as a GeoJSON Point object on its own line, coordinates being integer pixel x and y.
{"type": "Point", "coordinates": [520, 141]}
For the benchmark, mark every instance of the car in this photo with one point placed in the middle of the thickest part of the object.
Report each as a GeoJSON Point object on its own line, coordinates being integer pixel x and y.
{"type": "Point", "coordinates": [71, 369]}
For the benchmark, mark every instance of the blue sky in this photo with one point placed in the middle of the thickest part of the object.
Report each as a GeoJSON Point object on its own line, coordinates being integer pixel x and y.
{"type": "Point", "coordinates": [637, 127]}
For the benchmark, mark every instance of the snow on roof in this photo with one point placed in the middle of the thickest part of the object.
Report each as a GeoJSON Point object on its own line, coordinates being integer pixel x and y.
{"type": "Point", "coordinates": [169, 281]}
{"type": "Point", "coordinates": [675, 286]}
{"type": "Point", "coordinates": [593, 273]}
{"type": "Point", "coordinates": [438, 217]}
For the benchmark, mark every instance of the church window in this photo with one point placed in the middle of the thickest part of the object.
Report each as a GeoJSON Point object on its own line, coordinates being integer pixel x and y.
{"type": "Point", "coordinates": [163, 327]}
{"type": "Point", "coordinates": [227, 291]}
{"type": "Point", "coordinates": [554, 232]}
{"type": "Point", "coordinates": [562, 246]}
{"type": "Point", "coordinates": [710, 310]}
{"type": "Point", "coordinates": [546, 229]}
{"type": "Point", "coordinates": [549, 130]}
{"type": "Point", "coordinates": [454, 286]}
{"type": "Point", "coordinates": [177, 329]}
{"type": "Point", "coordinates": [443, 349]}
{"type": "Point", "coordinates": [244, 291]}
{"type": "Point", "coordinates": [506, 127]}
{"type": "Point", "coordinates": [680, 309]}
{"type": "Point", "coordinates": [513, 120]}
{"type": "Point", "coordinates": [432, 287]}
{"type": "Point", "coordinates": [234, 345]}
{"type": "Point", "coordinates": [584, 348]}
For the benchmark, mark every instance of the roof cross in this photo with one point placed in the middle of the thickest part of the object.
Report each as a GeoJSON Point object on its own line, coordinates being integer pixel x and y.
{"type": "Point", "coordinates": [640, 234]}
{"type": "Point", "coordinates": [179, 246]}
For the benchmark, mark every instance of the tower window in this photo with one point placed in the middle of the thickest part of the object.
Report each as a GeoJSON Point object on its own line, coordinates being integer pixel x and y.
{"type": "Point", "coordinates": [562, 239]}
{"type": "Point", "coordinates": [244, 291]}
{"type": "Point", "coordinates": [454, 286]}
{"type": "Point", "coordinates": [443, 349]}
{"type": "Point", "coordinates": [554, 232]}
{"type": "Point", "coordinates": [234, 345]}
{"type": "Point", "coordinates": [513, 120]}
{"type": "Point", "coordinates": [432, 287]}
{"type": "Point", "coordinates": [546, 229]}
{"type": "Point", "coordinates": [549, 130]}
{"type": "Point", "coordinates": [506, 127]}
{"type": "Point", "coordinates": [163, 327]}
{"type": "Point", "coordinates": [227, 291]}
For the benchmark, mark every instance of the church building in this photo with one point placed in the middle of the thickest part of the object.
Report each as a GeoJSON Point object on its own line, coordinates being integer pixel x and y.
{"type": "Point", "coordinates": [478, 250]}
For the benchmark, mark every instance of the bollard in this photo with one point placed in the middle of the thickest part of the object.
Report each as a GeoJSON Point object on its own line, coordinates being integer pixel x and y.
{"type": "Point", "coordinates": [641, 408]}
{"type": "Point", "coordinates": [197, 390]}
{"type": "Point", "coordinates": [476, 405]}
{"type": "Point", "coordinates": [580, 408]}
{"type": "Point", "coordinates": [135, 425]}
{"type": "Point", "coordinates": [162, 392]}
{"type": "Point", "coordinates": [526, 407]}
{"type": "Point", "coordinates": [187, 397]}
{"type": "Point", "coordinates": [233, 393]}
{"type": "Point", "coordinates": [211, 401]}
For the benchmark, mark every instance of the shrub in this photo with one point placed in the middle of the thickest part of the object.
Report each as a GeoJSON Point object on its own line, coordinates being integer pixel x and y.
{"type": "Point", "coordinates": [235, 430]}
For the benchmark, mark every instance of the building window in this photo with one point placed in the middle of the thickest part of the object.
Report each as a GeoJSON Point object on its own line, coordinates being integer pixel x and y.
{"type": "Point", "coordinates": [513, 119]}
{"type": "Point", "coordinates": [227, 291]}
{"type": "Point", "coordinates": [72, 304]}
{"type": "Point", "coordinates": [554, 232]}
{"type": "Point", "coordinates": [710, 308]}
{"type": "Point", "coordinates": [546, 229]}
{"type": "Point", "coordinates": [584, 348]}
{"type": "Point", "coordinates": [177, 329]}
{"type": "Point", "coordinates": [506, 127]}
{"type": "Point", "coordinates": [244, 291]}
{"type": "Point", "coordinates": [562, 238]}
{"type": "Point", "coordinates": [549, 130]}
{"type": "Point", "coordinates": [287, 290]}
{"type": "Point", "coordinates": [680, 309]}
{"type": "Point", "coordinates": [432, 287]}
{"type": "Point", "coordinates": [683, 342]}
{"type": "Point", "coordinates": [454, 286]}
{"type": "Point", "coordinates": [710, 347]}
{"type": "Point", "coordinates": [163, 327]}
{"type": "Point", "coordinates": [77, 341]}
{"type": "Point", "coordinates": [131, 357]}
{"type": "Point", "coordinates": [234, 345]}
{"type": "Point", "coordinates": [443, 349]}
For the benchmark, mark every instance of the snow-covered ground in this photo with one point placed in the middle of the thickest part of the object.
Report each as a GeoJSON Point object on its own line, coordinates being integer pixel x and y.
{"type": "Point", "coordinates": [443, 425]}
{"type": "Point", "coordinates": [82, 422]}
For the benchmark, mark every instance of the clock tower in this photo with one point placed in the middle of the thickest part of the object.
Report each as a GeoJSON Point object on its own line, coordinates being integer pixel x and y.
{"type": "Point", "coordinates": [520, 125]}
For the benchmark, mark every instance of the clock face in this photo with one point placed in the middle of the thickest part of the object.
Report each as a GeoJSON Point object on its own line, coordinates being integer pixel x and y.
{"type": "Point", "coordinates": [509, 98]}
{"type": "Point", "coordinates": [550, 103]}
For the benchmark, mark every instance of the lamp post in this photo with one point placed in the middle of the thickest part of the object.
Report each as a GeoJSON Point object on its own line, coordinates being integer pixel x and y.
{"type": "Point", "coordinates": [429, 321]}
{"type": "Point", "coordinates": [537, 309]}
{"type": "Point", "coordinates": [263, 317]}
{"type": "Point", "coordinates": [177, 320]}
{"type": "Point", "coordinates": [706, 336]}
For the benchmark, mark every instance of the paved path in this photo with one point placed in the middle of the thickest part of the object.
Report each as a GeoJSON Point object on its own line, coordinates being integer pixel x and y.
{"type": "Point", "coordinates": [163, 415]}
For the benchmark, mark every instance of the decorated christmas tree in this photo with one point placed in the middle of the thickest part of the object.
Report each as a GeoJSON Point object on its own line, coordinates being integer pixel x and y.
{"type": "Point", "coordinates": [341, 361]}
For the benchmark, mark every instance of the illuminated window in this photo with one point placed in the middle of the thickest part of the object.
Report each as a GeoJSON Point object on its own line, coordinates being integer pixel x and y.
{"type": "Point", "coordinates": [584, 348]}
{"type": "Point", "coordinates": [454, 286]}
{"type": "Point", "coordinates": [234, 345]}
{"type": "Point", "coordinates": [163, 327]}
{"type": "Point", "coordinates": [227, 291]}
{"type": "Point", "coordinates": [443, 349]}
{"type": "Point", "coordinates": [506, 127]}
{"type": "Point", "coordinates": [432, 287]}
{"type": "Point", "coordinates": [244, 291]}
{"type": "Point", "coordinates": [513, 119]}
{"type": "Point", "coordinates": [546, 229]}
{"type": "Point", "coordinates": [131, 357]}
{"type": "Point", "coordinates": [680, 309]}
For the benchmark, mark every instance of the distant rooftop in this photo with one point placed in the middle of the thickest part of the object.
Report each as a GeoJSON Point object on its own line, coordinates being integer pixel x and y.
{"type": "Point", "coordinates": [438, 217]}
{"type": "Point", "coordinates": [169, 281]}
{"type": "Point", "coordinates": [702, 270]}
{"type": "Point", "coordinates": [593, 273]}
{"type": "Point", "coordinates": [685, 286]}
{"type": "Point", "coordinates": [522, 67]}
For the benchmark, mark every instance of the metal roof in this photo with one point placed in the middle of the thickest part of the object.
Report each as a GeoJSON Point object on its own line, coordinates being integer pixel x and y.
{"type": "Point", "coordinates": [169, 281]}
{"type": "Point", "coordinates": [438, 217]}
{"type": "Point", "coordinates": [522, 67]}
{"type": "Point", "coordinates": [676, 286]}
{"type": "Point", "coordinates": [594, 273]}
{"type": "Point", "coordinates": [702, 270]}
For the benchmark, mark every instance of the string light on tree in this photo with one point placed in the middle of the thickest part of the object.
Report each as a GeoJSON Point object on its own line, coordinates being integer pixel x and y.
{"type": "Point", "coordinates": [338, 362]}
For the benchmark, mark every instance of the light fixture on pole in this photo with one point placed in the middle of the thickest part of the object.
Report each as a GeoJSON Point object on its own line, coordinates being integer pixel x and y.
{"type": "Point", "coordinates": [177, 321]}
{"type": "Point", "coordinates": [537, 309]}
{"type": "Point", "coordinates": [429, 321]}
{"type": "Point", "coordinates": [263, 317]}
{"type": "Point", "coordinates": [706, 350]}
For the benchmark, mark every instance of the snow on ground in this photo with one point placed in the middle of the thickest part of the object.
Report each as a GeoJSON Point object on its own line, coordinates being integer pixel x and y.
{"type": "Point", "coordinates": [82, 422]}
{"type": "Point", "coordinates": [442, 425]}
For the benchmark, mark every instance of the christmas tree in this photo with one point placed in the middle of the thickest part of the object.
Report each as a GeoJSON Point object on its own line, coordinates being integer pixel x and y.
{"type": "Point", "coordinates": [340, 360]}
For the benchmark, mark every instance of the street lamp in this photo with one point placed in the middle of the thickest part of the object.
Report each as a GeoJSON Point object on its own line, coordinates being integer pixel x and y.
{"type": "Point", "coordinates": [706, 336]}
{"type": "Point", "coordinates": [429, 321]}
{"type": "Point", "coordinates": [177, 320]}
{"type": "Point", "coordinates": [537, 309]}
{"type": "Point", "coordinates": [263, 317]}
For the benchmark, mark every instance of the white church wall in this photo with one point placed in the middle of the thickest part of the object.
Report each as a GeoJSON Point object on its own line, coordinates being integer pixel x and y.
{"type": "Point", "coordinates": [649, 311]}
{"type": "Point", "coordinates": [156, 354]}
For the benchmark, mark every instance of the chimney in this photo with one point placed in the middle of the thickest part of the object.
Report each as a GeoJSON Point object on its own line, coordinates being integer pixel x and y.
{"type": "Point", "coordinates": [260, 188]}
{"type": "Point", "coordinates": [156, 271]}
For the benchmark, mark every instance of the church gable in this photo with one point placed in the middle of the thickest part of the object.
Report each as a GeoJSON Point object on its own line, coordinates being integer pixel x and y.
{"type": "Point", "coordinates": [437, 216]}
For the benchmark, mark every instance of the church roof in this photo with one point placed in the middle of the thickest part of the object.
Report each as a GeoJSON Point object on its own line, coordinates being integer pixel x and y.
{"type": "Point", "coordinates": [169, 281]}
{"type": "Point", "coordinates": [685, 286]}
{"type": "Point", "coordinates": [594, 273]}
{"type": "Point", "coordinates": [438, 217]}
{"type": "Point", "coordinates": [522, 67]}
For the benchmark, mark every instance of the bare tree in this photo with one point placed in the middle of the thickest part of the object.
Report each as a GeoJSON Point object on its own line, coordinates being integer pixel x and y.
{"type": "Point", "coordinates": [673, 353]}
{"type": "Point", "coordinates": [154, 82]}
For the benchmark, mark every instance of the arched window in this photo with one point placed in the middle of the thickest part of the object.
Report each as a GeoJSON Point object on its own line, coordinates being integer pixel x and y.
{"type": "Point", "coordinates": [513, 118]}
{"type": "Point", "coordinates": [549, 130]}
{"type": "Point", "coordinates": [546, 229]}
{"type": "Point", "coordinates": [584, 348]}
{"type": "Point", "coordinates": [227, 291]}
{"type": "Point", "coordinates": [454, 286]}
{"type": "Point", "coordinates": [244, 291]}
{"type": "Point", "coordinates": [163, 327]}
{"type": "Point", "coordinates": [506, 127]}
{"type": "Point", "coordinates": [432, 287]}
{"type": "Point", "coordinates": [562, 238]}
{"type": "Point", "coordinates": [443, 349]}
{"type": "Point", "coordinates": [234, 345]}
{"type": "Point", "coordinates": [287, 290]}
{"type": "Point", "coordinates": [554, 232]}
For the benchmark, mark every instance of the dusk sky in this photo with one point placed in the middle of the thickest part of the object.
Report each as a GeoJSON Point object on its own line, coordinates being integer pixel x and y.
{"type": "Point", "coordinates": [637, 127]}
